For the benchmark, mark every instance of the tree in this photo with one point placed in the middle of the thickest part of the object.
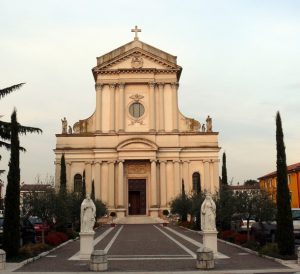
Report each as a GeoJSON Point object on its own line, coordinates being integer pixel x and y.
{"type": "Point", "coordinates": [93, 191]}
{"type": "Point", "coordinates": [63, 174]}
{"type": "Point", "coordinates": [250, 182]}
{"type": "Point", "coordinates": [181, 205]}
{"type": "Point", "coordinates": [224, 170]}
{"type": "Point", "coordinates": [11, 226]}
{"type": "Point", "coordinates": [83, 186]}
{"type": "Point", "coordinates": [6, 127]}
{"type": "Point", "coordinates": [285, 229]}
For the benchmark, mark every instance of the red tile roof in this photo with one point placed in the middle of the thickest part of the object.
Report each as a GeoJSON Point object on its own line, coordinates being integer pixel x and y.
{"type": "Point", "coordinates": [34, 187]}
{"type": "Point", "coordinates": [290, 168]}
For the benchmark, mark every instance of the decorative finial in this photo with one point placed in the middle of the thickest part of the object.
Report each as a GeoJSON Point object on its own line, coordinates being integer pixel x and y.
{"type": "Point", "coordinates": [136, 30]}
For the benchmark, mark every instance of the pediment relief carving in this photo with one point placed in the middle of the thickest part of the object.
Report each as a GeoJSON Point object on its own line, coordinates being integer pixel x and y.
{"type": "Point", "coordinates": [137, 145]}
{"type": "Point", "coordinates": [136, 59]}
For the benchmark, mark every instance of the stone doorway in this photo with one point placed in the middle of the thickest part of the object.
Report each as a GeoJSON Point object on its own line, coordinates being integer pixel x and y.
{"type": "Point", "coordinates": [137, 196]}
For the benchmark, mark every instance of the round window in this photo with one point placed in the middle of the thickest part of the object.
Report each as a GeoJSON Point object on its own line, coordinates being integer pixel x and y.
{"type": "Point", "coordinates": [136, 110]}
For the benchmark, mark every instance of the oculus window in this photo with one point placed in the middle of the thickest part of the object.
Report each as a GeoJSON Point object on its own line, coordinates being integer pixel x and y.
{"type": "Point", "coordinates": [136, 110]}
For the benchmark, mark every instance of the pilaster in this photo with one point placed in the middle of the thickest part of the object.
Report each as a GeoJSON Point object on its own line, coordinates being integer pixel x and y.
{"type": "Point", "coordinates": [112, 88]}
{"type": "Point", "coordinates": [121, 107]}
{"type": "Point", "coordinates": [175, 106]}
{"type": "Point", "coordinates": [163, 185]}
{"type": "Point", "coordinates": [161, 107]}
{"type": "Point", "coordinates": [98, 88]}
{"type": "Point", "coordinates": [120, 203]}
{"type": "Point", "coordinates": [152, 106]}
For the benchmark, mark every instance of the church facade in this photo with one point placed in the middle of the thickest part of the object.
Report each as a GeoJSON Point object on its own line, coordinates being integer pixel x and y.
{"type": "Point", "coordinates": [137, 148]}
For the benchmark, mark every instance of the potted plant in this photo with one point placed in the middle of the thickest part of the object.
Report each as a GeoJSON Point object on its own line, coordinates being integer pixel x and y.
{"type": "Point", "coordinates": [113, 215]}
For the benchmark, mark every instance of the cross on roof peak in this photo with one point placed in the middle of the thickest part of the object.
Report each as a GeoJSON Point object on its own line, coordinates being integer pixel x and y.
{"type": "Point", "coordinates": [136, 30]}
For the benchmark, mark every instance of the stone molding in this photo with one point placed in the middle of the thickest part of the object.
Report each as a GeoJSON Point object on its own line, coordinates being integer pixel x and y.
{"type": "Point", "coordinates": [99, 87]}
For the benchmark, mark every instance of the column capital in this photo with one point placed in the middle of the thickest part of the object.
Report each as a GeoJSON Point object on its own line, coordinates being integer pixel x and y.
{"type": "Point", "coordinates": [98, 162]}
{"type": "Point", "coordinates": [185, 161]}
{"type": "Point", "coordinates": [121, 161]}
{"type": "Point", "coordinates": [88, 162]}
{"type": "Point", "coordinates": [174, 85]}
{"type": "Point", "coordinates": [112, 86]}
{"type": "Point", "coordinates": [160, 84]}
{"type": "Point", "coordinates": [163, 161]}
{"type": "Point", "coordinates": [153, 160]}
{"type": "Point", "coordinates": [98, 87]}
{"type": "Point", "coordinates": [151, 84]}
{"type": "Point", "coordinates": [176, 161]}
{"type": "Point", "coordinates": [111, 161]}
{"type": "Point", "coordinates": [69, 163]}
{"type": "Point", "coordinates": [57, 162]}
{"type": "Point", "coordinates": [121, 85]}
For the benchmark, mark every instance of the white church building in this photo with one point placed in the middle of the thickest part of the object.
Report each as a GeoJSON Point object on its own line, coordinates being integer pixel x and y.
{"type": "Point", "coordinates": [137, 147]}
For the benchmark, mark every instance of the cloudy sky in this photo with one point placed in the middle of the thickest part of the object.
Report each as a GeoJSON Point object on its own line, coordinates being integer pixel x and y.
{"type": "Point", "coordinates": [240, 59]}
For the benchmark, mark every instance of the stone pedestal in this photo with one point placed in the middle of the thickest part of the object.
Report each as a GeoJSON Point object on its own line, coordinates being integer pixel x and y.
{"type": "Point", "coordinates": [2, 259]}
{"type": "Point", "coordinates": [98, 261]}
{"type": "Point", "coordinates": [120, 212]}
{"type": "Point", "coordinates": [210, 240]}
{"type": "Point", "coordinates": [153, 212]}
{"type": "Point", "coordinates": [205, 258]}
{"type": "Point", "coordinates": [86, 244]}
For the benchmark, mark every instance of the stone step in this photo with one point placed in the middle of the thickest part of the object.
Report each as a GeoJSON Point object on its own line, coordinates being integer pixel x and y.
{"type": "Point", "coordinates": [138, 220]}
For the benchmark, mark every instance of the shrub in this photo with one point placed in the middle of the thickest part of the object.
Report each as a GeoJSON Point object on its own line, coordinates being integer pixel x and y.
{"type": "Point", "coordinates": [269, 249]}
{"type": "Point", "coordinates": [56, 238]}
{"type": "Point", "coordinates": [254, 245]}
{"type": "Point", "coordinates": [227, 235]}
{"type": "Point", "coordinates": [240, 238]}
{"type": "Point", "coordinates": [165, 212]}
{"type": "Point", "coordinates": [31, 250]}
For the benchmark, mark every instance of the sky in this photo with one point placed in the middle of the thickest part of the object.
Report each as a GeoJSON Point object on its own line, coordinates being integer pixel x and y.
{"type": "Point", "coordinates": [240, 59]}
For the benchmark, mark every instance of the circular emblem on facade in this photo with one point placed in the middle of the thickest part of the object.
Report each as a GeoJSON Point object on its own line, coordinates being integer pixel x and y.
{"type": "Point", "coordinates": [136, 110]}
{"type": "Point", "coordinates": [137, 61]}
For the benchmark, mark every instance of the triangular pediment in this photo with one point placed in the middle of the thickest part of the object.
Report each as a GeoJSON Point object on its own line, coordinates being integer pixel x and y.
{"type": "Point", "coordinates": [136, 55]}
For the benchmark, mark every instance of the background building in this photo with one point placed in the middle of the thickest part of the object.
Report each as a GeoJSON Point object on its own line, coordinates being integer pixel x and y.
{"type": "Point", "coordinates": [269, 183]}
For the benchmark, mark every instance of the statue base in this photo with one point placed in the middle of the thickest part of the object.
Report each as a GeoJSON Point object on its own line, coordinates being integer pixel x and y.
{"type": "Point", "coordinates": [153, 212]}
{"type": "Point", "coordinates": [210, 240]}
{"type": "Point", "coordinates": [86, 244]}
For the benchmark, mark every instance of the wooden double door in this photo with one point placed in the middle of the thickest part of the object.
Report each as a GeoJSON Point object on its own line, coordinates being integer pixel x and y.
{"type": "Point", "coordinates": [137, 196]}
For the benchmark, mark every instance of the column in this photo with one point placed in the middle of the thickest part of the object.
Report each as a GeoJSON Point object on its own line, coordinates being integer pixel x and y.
{"type": "Point", "coordinates": [152, 106]}
{"type": "Point", "coordinates": [111, 184]}
{"type": "Point", "coordinates": [70, 184]}
{"type": "Point", "coordinates": [120, 202]}
{"type": "Point", "coordinates": [98, 180]}
{"type": "Point", "coordinates": [170, 181]}
{"type": "Point", "coordinates": [121, 108]}
{"type": "Point", "coordinates": [153, 184]}
{"type": "Point", "coordinates": [177, 183]}
{"type": "Point", "coordinates": [88, 177]}
{"type": "Point", "coordinates": [185, 175]}
{"type": "Point", "coordinates": [99, 107]}
{"type": "Point", "coordinates": [161, 107]}
{"type": "Point", "coordinates": [175, 106]}
{"type": "Point", "coordinates": [163, 185]}
{"type": "Point", "coordinates": [104, 182]}
{"type": "Point", "coordinates": [112, 108]}
{"type": "Point", "coordinates": [206, 176]}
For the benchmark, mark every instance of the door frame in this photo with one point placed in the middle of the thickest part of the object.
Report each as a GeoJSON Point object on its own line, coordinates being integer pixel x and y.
{"type": "Point", "coordinates": [127, 192]}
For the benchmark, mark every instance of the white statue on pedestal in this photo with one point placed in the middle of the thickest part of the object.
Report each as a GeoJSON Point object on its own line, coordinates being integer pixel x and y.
{"type": "Point", "coordinates": [87, 215]}
{"type": "Point", "coordinates": [208, 214]}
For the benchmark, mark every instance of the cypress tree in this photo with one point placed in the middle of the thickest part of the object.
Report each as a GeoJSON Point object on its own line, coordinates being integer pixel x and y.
{"type": "Point", "coordinates": [285, 229]}
{"type": "Point", "coordinates": [11, 227]}
{"type": "Point", "coordinates": [224, 170]}
{"type": "Point", "coordinates": [93, 191]}
{"type": "Point", "coordinates": [63, 174]}
{"type": "Point", "coordinates": [83, 186]}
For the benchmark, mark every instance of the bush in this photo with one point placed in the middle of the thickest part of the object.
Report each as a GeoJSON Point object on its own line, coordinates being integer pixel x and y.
{"type": "Point", "coordinates": [254, 245]}
{"type": "Point", "coordinates": [31, 250]}
{"type": "Point", "coordinates": [228, 235]}
{"type": "Point", "coordinates": [56, 238]}
{"type": "Point", "coordinates": [240, 238]}
{"type": "Point", "coordinates": [165, 212]}
{"type": "Point", "coordinates": [269, 249]}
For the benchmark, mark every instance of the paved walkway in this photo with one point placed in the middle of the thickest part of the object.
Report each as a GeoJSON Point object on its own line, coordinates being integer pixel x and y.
{"type": "Point", "coordinates": [152, 248]}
